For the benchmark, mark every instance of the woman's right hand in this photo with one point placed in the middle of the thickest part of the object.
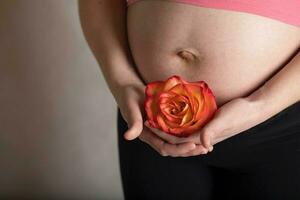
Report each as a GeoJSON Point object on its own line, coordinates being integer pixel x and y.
{"type": "Point", "coordinates": [131, 99]}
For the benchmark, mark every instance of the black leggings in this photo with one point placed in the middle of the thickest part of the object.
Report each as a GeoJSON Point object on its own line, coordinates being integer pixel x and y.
{"type": "Point", "coordinates": [262, 162]}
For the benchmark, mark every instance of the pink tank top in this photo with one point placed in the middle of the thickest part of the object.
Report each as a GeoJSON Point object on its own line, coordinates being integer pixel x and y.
{"type": "Point", "coordinates": [287, 11]}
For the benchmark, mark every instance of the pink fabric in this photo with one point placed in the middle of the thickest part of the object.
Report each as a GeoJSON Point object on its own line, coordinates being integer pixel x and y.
{"type": "Point", "coordinates": [287, 11]}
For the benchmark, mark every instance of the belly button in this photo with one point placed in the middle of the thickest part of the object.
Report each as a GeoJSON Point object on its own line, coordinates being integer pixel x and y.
{"type": "Point", "coordinates": [188, 54]}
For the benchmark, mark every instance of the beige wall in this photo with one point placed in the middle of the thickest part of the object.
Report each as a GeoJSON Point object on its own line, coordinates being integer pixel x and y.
{"type": "Point", "coordinates": [57, 117]}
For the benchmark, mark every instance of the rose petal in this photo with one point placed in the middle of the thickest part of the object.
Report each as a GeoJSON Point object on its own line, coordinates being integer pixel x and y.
{"type": "Point", "coordinates": [202, 84]}
{"type": "Point", "coordinates": [162, 124]}
{"type": "Point", "coordinates": [206, 113]}
{"type": "Point", "coordinates": [187, 118]}
{"type": "Point", "coordinates": [179, 107]}
{"type": "Point", "coordinates": [191, 98]}
{"type": "Point", "coordinates": [182, 91]}
{"type": "Point", "coordinates": [154, 88]}
{"type": "Point", "coordinates": [151, 111]}
{"type": "Point", "coordinates": [210, 100]}
{"type": "Point", "coordinates": [169, 117]}
{"type": "Point", "coordinates": [197, 92]}
{"type": "Point", "coordinates": [171, 82]}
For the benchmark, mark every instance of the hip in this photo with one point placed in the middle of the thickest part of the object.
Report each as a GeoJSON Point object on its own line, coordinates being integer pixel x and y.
{"type": "Point", "coordinates": [276, 138]}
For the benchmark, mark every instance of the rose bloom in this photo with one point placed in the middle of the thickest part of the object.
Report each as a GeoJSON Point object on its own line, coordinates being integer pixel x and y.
{"type": "Point", "coordinates": [178, 107]}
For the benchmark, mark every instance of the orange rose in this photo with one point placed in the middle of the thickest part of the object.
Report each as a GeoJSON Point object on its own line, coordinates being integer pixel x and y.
{"type": "Point", "coordinates": [178, 107]}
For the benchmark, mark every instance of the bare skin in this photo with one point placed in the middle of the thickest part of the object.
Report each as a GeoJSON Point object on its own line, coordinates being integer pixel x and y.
{"type": "Point", "coordinates": [233, 52]}
{"type": "Point", "coordinates": [251, 63]}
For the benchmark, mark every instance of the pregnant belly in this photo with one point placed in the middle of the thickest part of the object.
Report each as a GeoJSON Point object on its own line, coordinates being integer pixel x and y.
{"type": "Point", "coordinates": [234, 52]}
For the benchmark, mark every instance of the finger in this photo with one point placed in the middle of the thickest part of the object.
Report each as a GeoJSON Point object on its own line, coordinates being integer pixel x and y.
{"type": "Point", "coordinates": [205, 138]}
{"type": "Point", "coordinates": [163, 147]}
{"type": "Point", "coordinates": [152, 141]}
{"type": "Point", "coordinates": [134, 121]}
{"type": "Point", "coordinates": [171, 138]}
{"type": "Point", "coordinates": [167, 137]}
{"type": "Point", "coordinates": [178, 149]}
{"type": "Point", "coordinates": [200, 149]}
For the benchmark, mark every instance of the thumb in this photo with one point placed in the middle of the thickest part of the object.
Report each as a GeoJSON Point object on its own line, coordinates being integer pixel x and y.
{"type": "Point", "coordinates": [206, 136]}
{"type": "Point", "coordinates": [134, 121]}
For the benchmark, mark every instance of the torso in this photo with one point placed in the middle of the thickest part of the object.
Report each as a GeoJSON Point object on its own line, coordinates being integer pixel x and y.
{"type": "Point", "coordinates": [234, 52]}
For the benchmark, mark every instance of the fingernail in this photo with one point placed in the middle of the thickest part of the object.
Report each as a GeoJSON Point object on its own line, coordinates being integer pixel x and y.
{"type": "Point", "coordinates": [210, 148]}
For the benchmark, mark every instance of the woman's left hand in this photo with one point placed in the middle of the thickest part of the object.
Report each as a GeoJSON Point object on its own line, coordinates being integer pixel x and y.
{"type": "Point", "coordinates": [230, 119]}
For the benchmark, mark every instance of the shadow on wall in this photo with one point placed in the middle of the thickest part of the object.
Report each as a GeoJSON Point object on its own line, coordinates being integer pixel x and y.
{"type": "Point", "coordinates": [57, 117]}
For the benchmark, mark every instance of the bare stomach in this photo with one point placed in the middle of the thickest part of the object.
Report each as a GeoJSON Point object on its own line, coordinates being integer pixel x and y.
{"type": "Point", "coordinates": [234, 52]}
